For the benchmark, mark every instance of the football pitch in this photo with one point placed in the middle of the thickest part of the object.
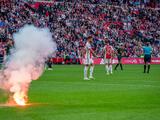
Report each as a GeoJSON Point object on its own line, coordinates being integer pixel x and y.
{"type": "Point", "coordinates": [62, 94]}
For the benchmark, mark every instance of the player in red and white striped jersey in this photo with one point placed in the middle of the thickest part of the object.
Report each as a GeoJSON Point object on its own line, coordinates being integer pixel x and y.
{"type": "Point", "coordinates": [108, 57]}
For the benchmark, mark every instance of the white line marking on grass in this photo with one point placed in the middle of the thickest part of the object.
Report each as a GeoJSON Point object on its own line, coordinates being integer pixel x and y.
{"type": "Point", "coordinates": [110, 84]}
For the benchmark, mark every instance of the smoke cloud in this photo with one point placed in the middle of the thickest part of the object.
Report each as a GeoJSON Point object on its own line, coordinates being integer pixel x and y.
{"type": "Point", "coordinates": [32, 46]}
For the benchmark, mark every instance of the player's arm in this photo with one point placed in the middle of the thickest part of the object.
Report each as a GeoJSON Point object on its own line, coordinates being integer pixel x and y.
{"type": "Point", "coordinates": [113, 53]}
{"type": "Point", "coordinates": [123, 52]}
{"type": "Point", "coordinates": [94, 54]}
{"type": "Point", "coordinates": [82, 53]}
{"type": "Point", "coordinates": [151, 51]}
{"type": "Point", "coordinates": [142, 47]}
{"type": "Point", "coordinates": [103, 51]}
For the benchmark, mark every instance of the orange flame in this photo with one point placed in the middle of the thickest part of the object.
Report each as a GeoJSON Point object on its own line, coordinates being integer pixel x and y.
{"type": "Point", "coordinates": [20, 98]}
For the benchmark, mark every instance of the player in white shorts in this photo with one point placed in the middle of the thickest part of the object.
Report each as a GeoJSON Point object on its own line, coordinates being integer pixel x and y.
{"type": "Point", "coordinates": [108, 57]}
{"type": "Point", "coordinates": [88, 59]}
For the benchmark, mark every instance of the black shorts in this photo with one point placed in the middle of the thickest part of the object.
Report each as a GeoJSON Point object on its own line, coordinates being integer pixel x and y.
{"type": "Point", "coordinates": [147, 58]}
{"type": "Point", "coordinates": [119, 58]}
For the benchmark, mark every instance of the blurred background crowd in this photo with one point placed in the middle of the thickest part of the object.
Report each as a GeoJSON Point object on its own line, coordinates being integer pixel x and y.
{"type": "Point", "coordinates": [125, 23]}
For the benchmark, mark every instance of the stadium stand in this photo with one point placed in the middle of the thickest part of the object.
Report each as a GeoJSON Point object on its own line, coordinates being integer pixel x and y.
{"type": "Point", "coordinates": [130, 24]}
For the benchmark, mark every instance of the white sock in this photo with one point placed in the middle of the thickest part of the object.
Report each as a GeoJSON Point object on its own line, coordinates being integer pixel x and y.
{"type": "Point", "coordinates": [110, 68]}
{"type": "Point", "coordinates": [85, 71]}
{"type": "Point", "coordinates": [91, 71]}
{"type": "Point", "coordinates": [107, 69]}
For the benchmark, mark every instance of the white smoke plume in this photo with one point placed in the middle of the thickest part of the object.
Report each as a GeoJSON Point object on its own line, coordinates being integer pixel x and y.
{"type": "Point", "coordinates": [32, 46]}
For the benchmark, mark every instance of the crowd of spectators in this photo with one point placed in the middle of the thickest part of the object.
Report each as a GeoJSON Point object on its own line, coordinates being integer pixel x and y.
{"type": "Point", "coordinates": [123, 23]}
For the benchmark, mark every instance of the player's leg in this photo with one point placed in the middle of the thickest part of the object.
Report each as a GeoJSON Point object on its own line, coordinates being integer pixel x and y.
{"type": "Point", "coordinates": [116, 66]}
{"type": "Point", "coordinates": [107, 69]}
{"type": "Point", "coordinates": [149, 61]}
{"type": "Point", "coordinates": [121, 66]}
{"type": "Point", "coordinates": [145, 67]}
{"type": "Point", "coordinates": [117, 63]}
{"type": "Point", "coordinates": [148, 68]}
{"type": "Point", "coordinates": [85, 69]}
{"type": "Point", "coordinates": [107, 66]}
{"type": "Point", "coordinates": [85, 72]}
{"type": "Point", "coordinates": [145, 63]}
{"type": "Point", "coordinates": [110, 66]}
{"type": "Point", "coordinates": [120, 62]}
{"type": "Point", "coordinates": [49, 64]}
{"type": "Point", "coordinates": [91, 69]}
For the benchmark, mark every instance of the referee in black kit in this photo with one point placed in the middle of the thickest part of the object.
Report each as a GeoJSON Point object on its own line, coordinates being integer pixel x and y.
{"type": "Point", "coordinates": [147, 51]}
{"type": "Point", "coordinates": [119, 54]}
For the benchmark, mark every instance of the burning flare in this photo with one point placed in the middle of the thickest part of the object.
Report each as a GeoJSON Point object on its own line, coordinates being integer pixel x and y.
{"type": "Point", "coordinates": [20, 98]}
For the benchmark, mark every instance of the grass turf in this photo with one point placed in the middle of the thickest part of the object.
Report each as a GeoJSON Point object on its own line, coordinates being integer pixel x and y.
{"type": "Point", "coordinates": [62, 94]}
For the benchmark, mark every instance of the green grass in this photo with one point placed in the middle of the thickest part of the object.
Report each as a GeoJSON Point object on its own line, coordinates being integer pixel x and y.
{"type": "Point", "coordinates": [62, 94]}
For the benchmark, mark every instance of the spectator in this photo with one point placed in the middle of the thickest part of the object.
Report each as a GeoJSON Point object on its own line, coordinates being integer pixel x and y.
{"type": "Point", "coordinates": [130, 23]}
